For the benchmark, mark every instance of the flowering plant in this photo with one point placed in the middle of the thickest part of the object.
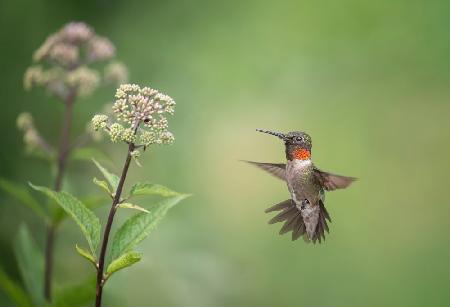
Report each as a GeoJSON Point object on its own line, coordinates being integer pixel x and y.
{"type": "Point", "coordinates": [142, 110]}
{"type": "Point", "coordinates": [63, 66]}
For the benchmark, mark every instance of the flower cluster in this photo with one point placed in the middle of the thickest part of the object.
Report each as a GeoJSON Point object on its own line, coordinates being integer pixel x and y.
{"type": "Point", "coordinates": [140, 114]}
{"type": "Point", "coordinates": [62, 62]}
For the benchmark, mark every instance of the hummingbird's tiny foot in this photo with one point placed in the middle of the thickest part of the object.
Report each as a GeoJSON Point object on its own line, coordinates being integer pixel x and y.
{"type": "Point", "coordinates": [305, 202]}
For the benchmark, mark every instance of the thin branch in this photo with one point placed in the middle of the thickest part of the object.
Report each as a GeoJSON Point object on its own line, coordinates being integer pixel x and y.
{"type": "Point", "coordinates": [101, 264]}
{"type": "Point", "coordinates": [64, 147]}
{"type": "Point", "coordinates": [64, 151]}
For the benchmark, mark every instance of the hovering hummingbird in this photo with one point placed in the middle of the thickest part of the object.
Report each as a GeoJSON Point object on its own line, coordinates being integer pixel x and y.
{"type": "Point", "coordinates": [305, 213]}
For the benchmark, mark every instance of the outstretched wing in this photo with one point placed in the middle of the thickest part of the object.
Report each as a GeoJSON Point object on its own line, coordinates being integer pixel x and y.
{"type": "Point", "coordinates": [276, 169]}
{"type": "Point", "coordinates": [331, 182]}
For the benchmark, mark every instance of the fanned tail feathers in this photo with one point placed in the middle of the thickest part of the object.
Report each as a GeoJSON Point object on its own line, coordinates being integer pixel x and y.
{"type": "Point", "coordinates": [322, 224]}
{"type": "Point", "coordinates": [293, 221]}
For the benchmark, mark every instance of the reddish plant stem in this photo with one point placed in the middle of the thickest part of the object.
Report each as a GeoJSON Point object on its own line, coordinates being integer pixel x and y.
{"type": "Point", "coordinates": [63, 154]}
{"type": "Point", "coordinates": [112, 212]}
{"type": "Point", "coordinates": [50, 239]}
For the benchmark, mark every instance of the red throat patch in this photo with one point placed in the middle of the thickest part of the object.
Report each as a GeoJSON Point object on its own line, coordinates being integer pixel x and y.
{"type": "Point", "coordinates": [301, 154]}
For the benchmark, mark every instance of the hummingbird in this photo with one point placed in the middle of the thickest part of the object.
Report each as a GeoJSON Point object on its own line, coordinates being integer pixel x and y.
{"type": "Point", "coordinates": [304, 213]}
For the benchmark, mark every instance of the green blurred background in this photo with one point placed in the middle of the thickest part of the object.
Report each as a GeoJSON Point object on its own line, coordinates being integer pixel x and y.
{"type": "Point", "coordinates": [368, 80]}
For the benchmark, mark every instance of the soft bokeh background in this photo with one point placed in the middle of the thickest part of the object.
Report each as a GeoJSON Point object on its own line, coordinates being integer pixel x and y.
{"type": "Point", "coordinates": [368, 80]}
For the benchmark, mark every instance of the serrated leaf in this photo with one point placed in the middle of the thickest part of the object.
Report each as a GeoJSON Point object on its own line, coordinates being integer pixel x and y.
{"type": "Point", "coordinates": [91, 202]}
{"type": "Point", "coordinates": [14, 291]}
{"type": "Point", "coordinates": [112, 179]}
{"type": "Point", "coordinates": [86, 254]}
{"type": "Point", "coordinates": [75, 295]}
{"type": "Point", "coordinates": [23, 195]}
{"type": "Point", "coordinates": [132, 206]}
{"type": "Point", "coordinates": [88, 153]}
{"type": "Point", "coordinates": [31, 265]}
{"type": "Point", "coordinates": [85, 218]}
{"type": "Point", "coordinates": [102, 184]}
{"type": "Point", "coordinates": [122, 262]}
{"type": "Point", "coordinates": [147, 188]}
{"type": "Point", "coordinates": [139, 226]}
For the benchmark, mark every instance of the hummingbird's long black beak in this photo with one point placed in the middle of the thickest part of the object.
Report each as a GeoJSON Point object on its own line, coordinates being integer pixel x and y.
{"type": "Point", "coordinates": [278, 134]}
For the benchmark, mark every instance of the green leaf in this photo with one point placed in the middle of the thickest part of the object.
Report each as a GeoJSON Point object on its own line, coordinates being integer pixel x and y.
{"type": "Point", "coordinates": [112, 179]}
{"type": "Point", "coordinates": [102, 184]}
{"type": "Point", "coordinates": [14, 291]}
{"type": "Point", "coordinates": [88, 153]}
{"type": "Point", "coordinates": [31, 265]}
{"type": "Point", "coordinates": [132, 206]}
{"type": "Point", "coordinates": [91, 202]}
{"type": "Point", "coordinates": [86, 254]}
{"type": "Point", "coordinates": [23, 195]}
{"type": "Point", "coordinates": [147, 188]}
{"type": "Point", "coordinates": [122, 262]}
{"type": "Point", "coordinates": [85, 218]}
{"type": "Point", "coordinates": [139, 226]}
{"type": "Point", "coordinates": [75, 295]}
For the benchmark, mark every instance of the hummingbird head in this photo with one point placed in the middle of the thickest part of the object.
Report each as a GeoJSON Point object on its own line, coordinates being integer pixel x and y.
{"type": "Point", "coordinates": [298, 144]}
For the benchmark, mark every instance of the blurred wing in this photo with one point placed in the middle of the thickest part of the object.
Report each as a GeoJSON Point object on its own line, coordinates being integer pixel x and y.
{"type": "Point", "coordinates": [331, 182]}
{"type": "Point", "coordinates": [278, 170]}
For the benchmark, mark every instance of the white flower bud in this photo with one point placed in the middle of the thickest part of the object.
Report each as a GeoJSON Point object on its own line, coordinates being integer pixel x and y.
{"type": "Point", "coordinates": [115, 132]}
{"type": "Point", "coordinates": [167, 138]}
{"type": "Point", "coordinates": [99, 121]}
{"type": "Point", "coordinates": [128, 135]}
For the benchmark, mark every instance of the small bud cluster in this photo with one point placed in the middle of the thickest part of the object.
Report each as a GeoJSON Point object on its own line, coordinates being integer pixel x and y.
{"type": "Point", "coordinates": [142, 111]}
{"type": "Point", "coordinates": [115, 132]}
{"type": "Point", "coordinates": [84, 80]}
{"type": "Point", "coordinates": [100, 122]}
{"type": "Point", "coordinates": [62, 62]}
{"type": "Point", "coordinates": [31, 137]}
{"type": "Point", "coordinates": [115, 73]}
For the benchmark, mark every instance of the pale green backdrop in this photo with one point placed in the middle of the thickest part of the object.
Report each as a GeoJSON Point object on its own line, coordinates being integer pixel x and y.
{"type": "Point", "coordinates": [368, 80]}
